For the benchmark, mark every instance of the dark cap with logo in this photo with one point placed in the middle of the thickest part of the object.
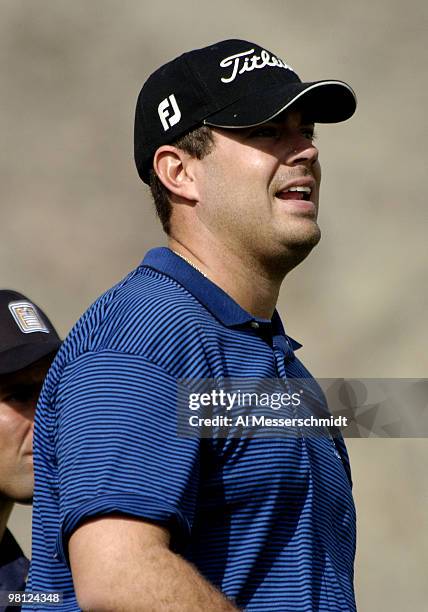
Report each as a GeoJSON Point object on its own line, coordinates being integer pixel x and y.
{"type": "Point", "coordinates": [231, 84]}
{"type": "Point", "coordinates": [26, 334]}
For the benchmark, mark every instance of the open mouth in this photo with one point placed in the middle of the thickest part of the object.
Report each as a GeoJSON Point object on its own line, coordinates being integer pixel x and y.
{"type": "Point", "coordinates": [298, 192]}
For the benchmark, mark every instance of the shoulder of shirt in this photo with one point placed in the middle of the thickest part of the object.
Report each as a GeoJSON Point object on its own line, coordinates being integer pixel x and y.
{"type": "Point", "coordinates": [146, 306]}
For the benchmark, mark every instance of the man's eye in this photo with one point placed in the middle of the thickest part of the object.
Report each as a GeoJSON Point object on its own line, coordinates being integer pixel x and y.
{"type": "Point", "coordinates": [23, 396]}
{"type": "Point", "coordinates": [309, 133]}
{"type": "Point", "coordinates": [264, 132]}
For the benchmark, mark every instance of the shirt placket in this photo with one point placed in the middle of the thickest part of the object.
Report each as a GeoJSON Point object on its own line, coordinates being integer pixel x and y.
{"type": "Point", "coordinates": [282, 354]}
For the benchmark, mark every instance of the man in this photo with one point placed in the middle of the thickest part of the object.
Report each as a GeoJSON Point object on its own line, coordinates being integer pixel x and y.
{"type": "Point", "coordinates": [28, 343]}
{"type": "Point", "coordinates": [128, 514]}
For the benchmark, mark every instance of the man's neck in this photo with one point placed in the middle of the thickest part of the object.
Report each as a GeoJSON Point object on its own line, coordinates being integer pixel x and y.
{"type": "Point", "coordinates": [5, 510]}
{"type": "Point", "coordinates": [244, 279]}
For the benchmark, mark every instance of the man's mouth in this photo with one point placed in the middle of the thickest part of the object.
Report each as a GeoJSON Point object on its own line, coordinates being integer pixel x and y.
{"type": "Point", "coordinates": [297, 192]}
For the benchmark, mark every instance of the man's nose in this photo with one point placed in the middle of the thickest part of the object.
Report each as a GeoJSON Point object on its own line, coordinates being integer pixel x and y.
{"type": "Point", "coordinates": [303, 152]}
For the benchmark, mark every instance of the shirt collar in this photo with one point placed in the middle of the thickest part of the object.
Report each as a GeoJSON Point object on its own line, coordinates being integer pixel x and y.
{"type": "Point", "coordinates": [217, 301]}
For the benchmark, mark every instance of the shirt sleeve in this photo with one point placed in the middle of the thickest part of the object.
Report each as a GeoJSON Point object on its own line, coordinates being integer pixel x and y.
{"type": "Point", "coordinates": [117, 446]}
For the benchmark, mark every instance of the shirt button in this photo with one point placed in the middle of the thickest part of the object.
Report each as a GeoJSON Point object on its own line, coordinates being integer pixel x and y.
{"type": "Point", "coordinates": [255, 325]}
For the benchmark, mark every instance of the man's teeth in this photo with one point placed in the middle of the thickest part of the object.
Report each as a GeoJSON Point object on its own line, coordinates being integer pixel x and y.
{"type": "Point", "coordinates": [299, 188]}
{"type": "Point", "coordinates": [305, 190]}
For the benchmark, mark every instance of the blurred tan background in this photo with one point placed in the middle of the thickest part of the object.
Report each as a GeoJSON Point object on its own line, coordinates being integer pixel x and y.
{"type": "Point", "coordinates": [76, 218]}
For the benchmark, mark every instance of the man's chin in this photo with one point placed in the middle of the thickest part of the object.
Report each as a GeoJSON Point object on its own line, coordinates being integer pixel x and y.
{"type": "Point", "coordinates": [303, 238]}
{"type": "Point", "coordinates": [295, 247]}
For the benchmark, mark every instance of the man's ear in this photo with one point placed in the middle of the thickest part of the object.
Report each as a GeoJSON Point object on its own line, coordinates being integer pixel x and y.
{"type": "Point", "coordinates": [174, 168]}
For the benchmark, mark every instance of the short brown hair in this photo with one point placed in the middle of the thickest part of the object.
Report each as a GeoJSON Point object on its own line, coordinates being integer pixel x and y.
{"type": "Point", "coordinates": [197, 143]}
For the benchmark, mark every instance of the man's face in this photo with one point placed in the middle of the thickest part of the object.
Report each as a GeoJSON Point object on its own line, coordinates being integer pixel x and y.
{"type": "Point", "coordinates": [248, 189]}
{"type": "Point", "coordinates": [18, 398]}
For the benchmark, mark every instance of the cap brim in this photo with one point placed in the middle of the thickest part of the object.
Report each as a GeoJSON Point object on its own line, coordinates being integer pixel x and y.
{"type": "Point", "coordinates": [321, 101]}
{"type": "Point", "coordinates": [19, 357]}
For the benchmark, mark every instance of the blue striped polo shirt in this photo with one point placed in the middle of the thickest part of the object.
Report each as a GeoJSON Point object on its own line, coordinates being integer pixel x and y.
{"type": "Point", "coordinates": [270, 522]}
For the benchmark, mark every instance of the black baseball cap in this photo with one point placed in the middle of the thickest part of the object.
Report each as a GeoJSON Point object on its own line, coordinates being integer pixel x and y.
{"type": "Point", "coordinates": [231, 84]}
{"type": "Point", "coordinates": [26, 334]}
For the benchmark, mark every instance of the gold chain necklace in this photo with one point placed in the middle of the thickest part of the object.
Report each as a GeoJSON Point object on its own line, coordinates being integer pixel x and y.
{"type": "Point", "coordinates": [189, 262]}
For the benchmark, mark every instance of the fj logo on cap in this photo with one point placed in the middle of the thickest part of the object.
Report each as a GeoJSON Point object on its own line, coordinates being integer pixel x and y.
{"type": "Point", "coordinates": [242, 62]}
{"type": "Point", "coordinates": [27, 318]}
{"type": "Point", "coordinates": [164, 108]}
